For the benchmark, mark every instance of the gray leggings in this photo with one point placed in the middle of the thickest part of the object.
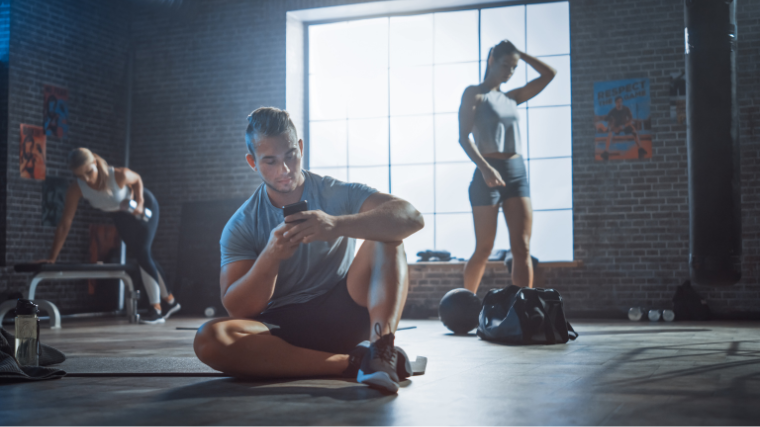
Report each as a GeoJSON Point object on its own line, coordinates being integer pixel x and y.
{"type": "Point", "coordinates": [138, 236]}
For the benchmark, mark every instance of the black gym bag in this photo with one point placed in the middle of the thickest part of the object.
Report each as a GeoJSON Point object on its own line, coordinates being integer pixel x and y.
{"type": "Point", "coordinates": [688, 305]}
{"type": "Point", "coordinates": [516, 315]}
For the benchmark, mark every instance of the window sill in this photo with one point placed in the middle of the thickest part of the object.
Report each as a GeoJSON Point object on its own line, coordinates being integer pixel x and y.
{"type": "Point", "coordinates": [557, 264]}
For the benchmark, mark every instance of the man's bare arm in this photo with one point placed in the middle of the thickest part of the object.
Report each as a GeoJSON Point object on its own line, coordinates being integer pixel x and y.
{"type": "Point", "coordinates": [247, 286]}
{"type": "Point", "coordinates": [382, 218]}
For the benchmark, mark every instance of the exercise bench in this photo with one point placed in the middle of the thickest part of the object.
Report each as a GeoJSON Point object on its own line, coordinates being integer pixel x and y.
{"type": "Point", "coordinates": [50, 272]}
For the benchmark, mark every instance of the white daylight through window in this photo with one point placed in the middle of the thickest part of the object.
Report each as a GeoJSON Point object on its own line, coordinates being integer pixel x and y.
{"type": "Point", "coordinates": [383, 99]}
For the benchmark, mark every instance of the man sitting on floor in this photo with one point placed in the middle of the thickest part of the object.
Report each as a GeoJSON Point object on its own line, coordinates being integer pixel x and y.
{"type": "Point", "coordinates": [300, 303]}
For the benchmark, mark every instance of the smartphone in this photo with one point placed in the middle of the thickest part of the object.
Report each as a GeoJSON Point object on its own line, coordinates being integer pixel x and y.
{"type": "Point", "coordinates": [301, 206]}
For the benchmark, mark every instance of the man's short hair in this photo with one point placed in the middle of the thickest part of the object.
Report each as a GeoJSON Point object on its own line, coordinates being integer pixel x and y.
{"type": "Point", "coordinates": [618, 97]}
{"type": "Point", "coordinates": [267, 121]}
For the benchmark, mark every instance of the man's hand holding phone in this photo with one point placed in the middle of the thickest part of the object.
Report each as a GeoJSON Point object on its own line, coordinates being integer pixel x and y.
{"type": "Point", "coordinates": [306, 226]}
{"type": "Point", "coordinates": [310, 226]}
{"type": "Point", "coordinates": [280, 247]}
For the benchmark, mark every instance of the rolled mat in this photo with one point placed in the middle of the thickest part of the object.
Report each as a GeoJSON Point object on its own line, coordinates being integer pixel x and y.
{"type": "Point", "coordinates": [86, 366]}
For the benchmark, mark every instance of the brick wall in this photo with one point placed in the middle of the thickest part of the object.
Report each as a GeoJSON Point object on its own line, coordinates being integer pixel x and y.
{"type": "Point", "coordinates": [631, 217]}
{"type": "Point", "coordinates": [201, 73]}
{"type": "Point", "coordinates": [80, 45]}
{"type": "Point", "coordinates": [202, 68]}
{"type": "Point", "coordinates": [5, 33]}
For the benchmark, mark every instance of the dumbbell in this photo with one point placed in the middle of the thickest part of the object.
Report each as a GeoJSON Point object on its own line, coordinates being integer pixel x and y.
{"type": "Point", "coordinates": [131, 205]}
{"type": "Point", "coordinates": [637, 313]}
{"type": "Point", "coordinates": [666, 315]}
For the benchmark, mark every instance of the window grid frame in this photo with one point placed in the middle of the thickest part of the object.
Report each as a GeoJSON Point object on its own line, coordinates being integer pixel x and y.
{"type": "Point", "coordinates": [434, 113]}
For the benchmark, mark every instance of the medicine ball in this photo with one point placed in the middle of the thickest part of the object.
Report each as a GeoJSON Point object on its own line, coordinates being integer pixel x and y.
{"type": "Point", "coordinates": [459, 310]}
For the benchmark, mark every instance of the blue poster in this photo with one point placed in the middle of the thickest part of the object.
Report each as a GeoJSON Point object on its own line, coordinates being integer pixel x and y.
{"type": "Point", "coordinates": [622, 120]}
{"type": "Point", "coordinates": [56, 111]}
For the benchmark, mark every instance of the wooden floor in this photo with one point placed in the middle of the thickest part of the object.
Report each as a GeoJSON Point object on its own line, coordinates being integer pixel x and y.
{"type": "Point", "coordinates": [616, 373]}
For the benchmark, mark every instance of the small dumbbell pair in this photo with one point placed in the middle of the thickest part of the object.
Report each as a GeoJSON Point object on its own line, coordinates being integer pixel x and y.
{"type": "Point", "coordinates": [654, 315]}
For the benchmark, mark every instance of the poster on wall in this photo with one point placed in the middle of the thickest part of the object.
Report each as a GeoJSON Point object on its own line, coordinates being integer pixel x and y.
{"type": "Point", "coordinates": [622, 120]}
{"type": "Point", "coordinates": [678, 98]}
{"type": "Point", "coordinates": [53, 198]}
{"type": "Point", "coordinates": [32, 152]}
{"type": "Point", "coordinates": [56, 111]}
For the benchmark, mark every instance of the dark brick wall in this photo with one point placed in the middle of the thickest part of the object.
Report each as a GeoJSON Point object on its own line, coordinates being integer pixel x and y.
{"type": "Point", "coordinates": [202, 68]}
{"type": "Point", "coordinates": [209, 70]}
{"type": "Point", "coordinates": [80, 45]}
{"type": "Point", "coordinates": [199, 71]}
{"type": "Point", "coordinates": [631, 217]}
{"type": "Point", "coordinates": [5, 33]}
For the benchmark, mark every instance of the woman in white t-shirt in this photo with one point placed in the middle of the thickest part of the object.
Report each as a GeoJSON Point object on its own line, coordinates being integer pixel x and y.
{"type": "Point", "coordinates": [111, 189]}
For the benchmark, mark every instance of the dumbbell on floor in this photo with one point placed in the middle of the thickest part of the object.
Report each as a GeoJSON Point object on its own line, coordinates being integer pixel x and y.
{"type": "Point", "coordinates": [637, 313]}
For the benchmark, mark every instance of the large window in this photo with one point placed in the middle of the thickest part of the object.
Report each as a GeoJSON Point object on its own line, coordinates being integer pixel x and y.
{"type": "Point", "coordinates": [383, 101]}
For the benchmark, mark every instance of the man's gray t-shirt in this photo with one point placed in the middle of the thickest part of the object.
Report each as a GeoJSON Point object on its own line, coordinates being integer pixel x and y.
{"type": "Point", "coordinates": [315, 267]}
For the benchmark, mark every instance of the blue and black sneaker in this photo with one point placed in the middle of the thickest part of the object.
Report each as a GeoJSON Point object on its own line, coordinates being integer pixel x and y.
{"type": "Point", "coordinates": [403, 365]}
{"type": "Point", "coordinates": [378, 367]}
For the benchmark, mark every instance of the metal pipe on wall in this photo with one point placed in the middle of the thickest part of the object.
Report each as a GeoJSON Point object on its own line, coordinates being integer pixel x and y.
{"type": "Point", "coordinates": [127, 143]}
{"type": "Point", "coordinates": [712, 138]}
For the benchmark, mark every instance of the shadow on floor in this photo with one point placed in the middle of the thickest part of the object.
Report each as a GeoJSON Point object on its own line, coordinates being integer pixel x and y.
{"type": "Point", "coordinates": [642, 331]}
{"type": "Point", "coordinates": [231, 387]}
{"type": "Point", "coordinates": [681, 382]}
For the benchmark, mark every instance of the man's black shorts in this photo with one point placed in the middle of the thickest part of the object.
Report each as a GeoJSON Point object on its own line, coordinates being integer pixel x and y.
{"type": "Point", "coordinates": [332, 322]}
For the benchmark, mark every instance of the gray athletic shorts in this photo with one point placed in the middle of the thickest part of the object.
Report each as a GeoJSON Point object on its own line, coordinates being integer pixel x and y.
{"type": "Point", "coordinates": [514, 175]}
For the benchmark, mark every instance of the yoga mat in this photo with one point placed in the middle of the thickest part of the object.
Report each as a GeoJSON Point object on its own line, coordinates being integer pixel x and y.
{"type": "Point", "coordinates": [85, 366]}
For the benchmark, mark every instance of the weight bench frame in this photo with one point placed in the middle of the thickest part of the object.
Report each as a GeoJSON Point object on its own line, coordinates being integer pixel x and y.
{"type": "Point", "coordinates": [68, 272]}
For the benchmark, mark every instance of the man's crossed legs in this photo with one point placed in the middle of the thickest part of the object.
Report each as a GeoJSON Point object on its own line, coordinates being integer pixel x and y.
{"type": "Point", "coordinates": [377, 282]}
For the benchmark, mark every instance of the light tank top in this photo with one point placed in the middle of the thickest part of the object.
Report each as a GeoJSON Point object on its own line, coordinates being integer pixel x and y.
{"type": "Point", "coordinates": [106, 200]}
{"type": "Point", "coordinates": [497, 124]}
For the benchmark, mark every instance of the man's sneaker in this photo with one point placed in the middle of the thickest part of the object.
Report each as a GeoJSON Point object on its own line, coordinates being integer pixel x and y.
{"type": "Point", "coordinates": [153, 317]}
{"type": "Point", "coordinates": [403, 365]}
{"type": "Point", "coordinates": [355, 357]}
{"type": "Point", "coordinates": [378, 367]}
{"type": "Point", "coordinates": [171, 308]}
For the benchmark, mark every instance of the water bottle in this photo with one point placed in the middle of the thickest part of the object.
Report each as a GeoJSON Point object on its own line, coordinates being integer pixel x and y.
{"type": "Point", "coordinates": [27, 333]}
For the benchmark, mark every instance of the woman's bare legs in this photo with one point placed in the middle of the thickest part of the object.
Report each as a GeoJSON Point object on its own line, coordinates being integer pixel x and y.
{"type": "Point", "coordinates": [518, 212]}
{"type": "Point", "coordinates": [485, 219]}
